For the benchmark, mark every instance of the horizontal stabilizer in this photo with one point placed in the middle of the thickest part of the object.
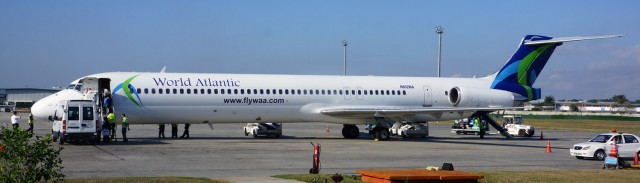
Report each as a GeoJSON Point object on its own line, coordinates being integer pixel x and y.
{"type": "Point", "coordinates": [532, 41]}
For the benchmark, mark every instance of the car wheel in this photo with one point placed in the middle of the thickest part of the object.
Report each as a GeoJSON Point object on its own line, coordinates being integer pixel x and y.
{"type": "Point", "coordinates": [579, 157]}
{"type": "Point", "coordinates": [599, 155]}
{"type": "Point", "coordinates": [458, 132]}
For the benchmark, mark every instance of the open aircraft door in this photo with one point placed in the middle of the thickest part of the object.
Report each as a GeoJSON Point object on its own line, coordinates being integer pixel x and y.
{"type": "Point", "coordinates": [427, 96]}
{"type": "Point", "coordinates": [89, 87]}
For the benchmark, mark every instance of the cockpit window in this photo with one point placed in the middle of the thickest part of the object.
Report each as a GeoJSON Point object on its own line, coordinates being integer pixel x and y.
{"type": "Point", "coordinates": [75, 87]}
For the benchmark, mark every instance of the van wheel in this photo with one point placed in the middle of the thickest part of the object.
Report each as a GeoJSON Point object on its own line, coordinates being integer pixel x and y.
{"type": "Point", "coordinates": [55, 136]}
{"type": "Point", "coordinates": [61, 138]}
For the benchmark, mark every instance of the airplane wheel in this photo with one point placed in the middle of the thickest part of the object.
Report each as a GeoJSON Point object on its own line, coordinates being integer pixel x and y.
{"type": "Point", "coordinates": [350, 131]}
{"type": "Point", "coordinates": [384, 134]}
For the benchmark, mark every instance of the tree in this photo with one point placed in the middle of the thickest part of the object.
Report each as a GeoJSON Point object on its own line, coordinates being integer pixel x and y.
{"type": "Point", "coordinates": [619, 99]}
{"type": "Point", "coordinates": [28, 159]}
{"type": "Point", "coordinates": [549, 100]}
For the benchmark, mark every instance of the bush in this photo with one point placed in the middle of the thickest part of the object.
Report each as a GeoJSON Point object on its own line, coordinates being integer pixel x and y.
{"type": "Point", "coordinates": [28, 159]}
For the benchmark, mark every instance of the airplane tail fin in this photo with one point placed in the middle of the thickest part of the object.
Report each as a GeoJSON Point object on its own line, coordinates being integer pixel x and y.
{"type": "Point", "coordinates": [524, 67]}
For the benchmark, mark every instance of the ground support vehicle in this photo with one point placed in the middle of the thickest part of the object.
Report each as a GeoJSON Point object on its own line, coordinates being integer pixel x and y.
{"type": "Point", "coordinates": [263, 129]}
{"type": "Point", "coordinates": [75, 120]}
{"type": "Point", "coordinates": [405, 129]}
{"type": "Point", "coordinates": [628, 146]}
{"type": "Point", "coordinates": [515, 126]}
{"type": "Point", "coordinates": [463, 127]}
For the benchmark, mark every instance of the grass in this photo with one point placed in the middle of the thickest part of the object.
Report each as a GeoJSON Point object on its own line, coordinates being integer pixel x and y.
{"type": "Point", "coordinates": [144, 180]}
{"type": "Point", "coordinates": [512, 176]}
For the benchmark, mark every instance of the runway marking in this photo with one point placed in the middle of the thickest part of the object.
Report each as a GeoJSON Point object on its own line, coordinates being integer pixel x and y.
{"type": "Point", "coordinates": [108, 152]}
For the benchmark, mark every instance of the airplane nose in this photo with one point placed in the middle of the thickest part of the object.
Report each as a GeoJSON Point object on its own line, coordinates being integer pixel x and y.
{"type": "Point", "coordinates": [40, 110]}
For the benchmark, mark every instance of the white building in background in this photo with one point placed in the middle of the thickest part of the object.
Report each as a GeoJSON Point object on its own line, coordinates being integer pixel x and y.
{"type": "Point", "coordinates": [21, 99]}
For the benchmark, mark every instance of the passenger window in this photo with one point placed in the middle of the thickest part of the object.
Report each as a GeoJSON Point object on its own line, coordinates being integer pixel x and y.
{"type": "Point", "coordinates": [241, 91]}
{"type": "Point", "coordinates": [146, 91]}
{"type": "Point", "coordinates": [188, 91]}
{"type": "Point", "coordinates": [353, 92]}
{"type": "Point", "coordinates": [323, 92]}
{"type": "Point", "coordinates": [404, 92]}
{"type": "Point", "coordinates": [387, 92]}
{"type": "Point", "coordinates": [346, 92]}
{"type": "Point", "coordinates": [268, 91]}
{"type": "Point", "coordinates": [248, 91]}
{"type": "Point", "coordinates": [221, 91]}
{"type": "Point", "coordinates": [261, 91]}
{"type": "Point", "coordinates": [153, 91]}
{"type": "Point", "coordinates": [255, 91]}
{"type": "Point", "coordinates": [201, 91]}
{"type": "Point", "coordinates": [175, 91]}
{"type": "Point", "coordinates": [74, 113]}
{"type": "Point", "coordinates": [208, 91]}
{"type": "Point", "coordinates": [630, 139]}
{"type": "Point", "coordinates": [393, 92]}
{"type": "Point", "coordinates": [359, 92]}
{"type": "Point", "coordinates": [286, 92]}
{"type": "Point", "coordinates": [377, 92]}
{"type": "Point", "coordinates": [335, 92]}
{"type": "Point", "coordinates": [235, 91]}
{"type": "Point", "coordinates": [228, 91]}
{"type": "Point", "coordinates": [139, 90]}
{"type": "Point", "coordinates": [340, 92]}
{"type": "Point", "coordinates": [181, 91]}
{"type": "Point", "coordinates": [87, 113]}
{"type": "Point", "coordinates": [273, 91]}
{"type": "Point", "coordinates": [160, 91]}
{"type": "Point", "coordinates": [195, 91]}
{"type": "Point", "coordinates": [280, 91]}
{"type": "Point", "coordinates": [215, 91]}
{"type": "Point", "coordinates": [304, 91]}
{"type": "Point", "coordinates": [365, 92]}
{"type": "Point", "coordinates": [299, 93]}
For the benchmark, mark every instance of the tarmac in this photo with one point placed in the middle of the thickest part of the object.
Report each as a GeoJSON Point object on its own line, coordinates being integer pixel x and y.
{"type": "Point", "coordinates": [226, 153]}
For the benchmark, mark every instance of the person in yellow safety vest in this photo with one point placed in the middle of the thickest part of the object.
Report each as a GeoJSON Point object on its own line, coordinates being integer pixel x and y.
{"type": "Point", "coordinates": [125, 127]}
{"type": "Point", "coordinates": [112, 124]}
{"type": "Point", "coordinates": [481, 126]}
{"type": "Point", "coordinates": [174, 131]}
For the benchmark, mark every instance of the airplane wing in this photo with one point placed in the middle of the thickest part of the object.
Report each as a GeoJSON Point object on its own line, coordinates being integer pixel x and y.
{"type": "Point", "coordinates": [357, 112]}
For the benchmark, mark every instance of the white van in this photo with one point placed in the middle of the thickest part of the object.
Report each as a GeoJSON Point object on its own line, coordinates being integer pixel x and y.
{"type": "Point", "coordinates": [75, 120]}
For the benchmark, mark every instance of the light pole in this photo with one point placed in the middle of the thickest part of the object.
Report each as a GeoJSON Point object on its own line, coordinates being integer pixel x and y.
{"type": "Point", "coordinates": [344, 44]}
{"type": "Point", "coordinates": [439, 32]}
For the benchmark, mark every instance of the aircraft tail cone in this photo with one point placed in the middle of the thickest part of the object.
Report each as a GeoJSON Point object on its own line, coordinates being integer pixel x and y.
{"type": "Point", "coordinates": [548, 146]}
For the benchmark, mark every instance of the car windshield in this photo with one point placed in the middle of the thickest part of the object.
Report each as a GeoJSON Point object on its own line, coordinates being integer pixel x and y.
{"type": "Point", "coordinates": [600, 138]}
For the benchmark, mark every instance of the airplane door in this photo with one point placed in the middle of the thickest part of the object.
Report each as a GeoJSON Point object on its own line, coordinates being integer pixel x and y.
{"type": "Point", "coordinates": [359, 94]}
{"type": "Point", "coordinates": [89, 87]}
{"type": "Point", "coordinates": [427, 96]}
{"type": "Point", "coordinates": [347, 95]}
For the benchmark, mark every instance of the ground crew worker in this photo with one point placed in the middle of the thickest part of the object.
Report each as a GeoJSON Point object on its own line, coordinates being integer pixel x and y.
{"type": "Point", "coordinates": [112, 124]}
{"type": "Point", "coordinates": [161, 131]}
{"type": "Point", "coordinates": [106, 103]}
{"type": "Point", "coordinates": [125, 127]}
{"type": "Point", "coordinates": [174, 131]}
{"type": "Point", "coordinates": [186, 131]}
{"type": "Point", "coordinates": [31, 120]}
{"type": "Point", "coordinates": [481, 125]}
{"type": "Point", "coordinates": [15, 120]}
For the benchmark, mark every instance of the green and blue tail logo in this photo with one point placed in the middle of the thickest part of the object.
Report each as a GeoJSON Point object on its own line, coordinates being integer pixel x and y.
{"type": "Point", "coordinates": [524, 67]}
{"type": "Point", "coordinates": [128, 89]}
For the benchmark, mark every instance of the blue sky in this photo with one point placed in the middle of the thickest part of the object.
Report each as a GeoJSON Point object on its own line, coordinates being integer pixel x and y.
{"type": "Point", "coordinates": [51, 43]}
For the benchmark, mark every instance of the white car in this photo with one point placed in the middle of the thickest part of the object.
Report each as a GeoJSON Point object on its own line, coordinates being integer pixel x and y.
{"type": "Point", "coordinates": [598, 147]}
{"type": "Point", "coordinates": [409, 129]}
{"type": "Point", "coordinates": [265, 129]}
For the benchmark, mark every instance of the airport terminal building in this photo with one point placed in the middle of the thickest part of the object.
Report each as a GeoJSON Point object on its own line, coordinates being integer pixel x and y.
{"type": "Point", "coordinates": [21, 99]}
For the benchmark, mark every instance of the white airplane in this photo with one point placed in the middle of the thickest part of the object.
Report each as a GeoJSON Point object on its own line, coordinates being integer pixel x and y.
{"type": "Point", "coordinates": [153, 98]}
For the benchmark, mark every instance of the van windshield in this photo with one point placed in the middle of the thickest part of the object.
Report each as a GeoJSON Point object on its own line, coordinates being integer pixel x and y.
{"type": "Point", "coordinates": [74, 113]}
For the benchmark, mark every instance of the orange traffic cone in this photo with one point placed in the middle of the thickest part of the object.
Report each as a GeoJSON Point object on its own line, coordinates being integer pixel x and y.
{"type": "Point", "coordinates": [614, 150]}
{"type": "Point", "coordinates": [327, 129]}
{"type": "Point", "coordinates": [541, 135]}
{"type": "Point", "coordinates": [548, 146]}
{"type": "Point", "coordinates": [635, 160]}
